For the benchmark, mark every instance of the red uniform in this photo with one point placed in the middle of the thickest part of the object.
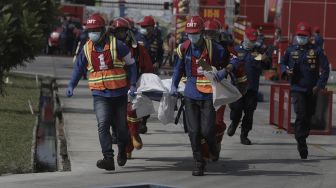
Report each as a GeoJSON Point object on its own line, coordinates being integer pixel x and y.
{"type": "Point", "coordinates": [144, 65]}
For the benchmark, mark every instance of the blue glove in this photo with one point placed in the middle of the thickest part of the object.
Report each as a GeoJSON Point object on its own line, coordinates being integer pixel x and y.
{"type": "Point", "coordinates": [220, 75]}
{"type": "Point", "coordinates": [69, 91]}
{"type": "Point", "coordinates": [173, 91]}
{"type": "Point", "coordinates": [132, 91]}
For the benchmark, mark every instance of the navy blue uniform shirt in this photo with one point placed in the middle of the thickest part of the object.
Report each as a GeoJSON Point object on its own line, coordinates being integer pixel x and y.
{"type": "Point", "coordinates": [309, 64]}
{"type": "Point", "coordinates": [154, 46]}
{"type": "Point", "coordinates": [253, 67]}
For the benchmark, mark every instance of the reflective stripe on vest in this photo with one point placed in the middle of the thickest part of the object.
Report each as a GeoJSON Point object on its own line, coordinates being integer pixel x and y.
{"type": "Point", "coordinates": [179, 52]}
{"type": "Point", "coordinates": [133, 120]}
{"type": "Point", "coordinates": [111, 78]}
{"type": "Point", "coordinates": [203, 84]}
{"type": "Point", "coordinates": [242, 79]}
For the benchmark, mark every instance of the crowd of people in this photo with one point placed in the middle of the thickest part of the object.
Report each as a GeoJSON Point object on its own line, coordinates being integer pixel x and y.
{"type": "Point", "coordinates": [114, 59]}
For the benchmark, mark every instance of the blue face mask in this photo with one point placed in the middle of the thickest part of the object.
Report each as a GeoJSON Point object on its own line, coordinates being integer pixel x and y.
{"type": "Point", "coordinates": [301, 40]}
{"type": "Point", "coordinates": [143, 31]}
{"type": "Point", "coordinates": [94, 36]}
{"type": "Point", "coordinates": [194, 38]}
{"type": "Point", "coordinates": [248, 45]}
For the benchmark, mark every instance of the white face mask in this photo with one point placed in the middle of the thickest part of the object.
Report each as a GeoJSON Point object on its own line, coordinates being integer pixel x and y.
{"type": "Point", "coordinates": [247, 44]}
{"type": "Point", "coordinates": [143, 31]}
{"type": "Point", "coordinates": [301, 40]}
{"type": "Point", "coordinates": [94, 36]}
{"type": "Point", "coordinates": [194, 38]}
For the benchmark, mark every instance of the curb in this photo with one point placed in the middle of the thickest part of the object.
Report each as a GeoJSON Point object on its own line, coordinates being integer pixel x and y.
{"type": "Point", "coordinates": [63, 162]}
{"type": "Point", "coordinates": [33, 148]}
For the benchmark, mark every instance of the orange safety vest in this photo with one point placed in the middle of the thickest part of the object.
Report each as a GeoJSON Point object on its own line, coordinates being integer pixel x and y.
{"type": "Point", "coordinates": [106, 70]}
{"type": "Point", "coordinates": [202, 83]}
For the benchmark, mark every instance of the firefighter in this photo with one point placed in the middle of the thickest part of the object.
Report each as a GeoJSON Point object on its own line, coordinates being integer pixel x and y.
{"type": "Point", "coordinates": [83, 37]}
{"type": "Point", "coordinates": [247, 68]}
{"type": "Point", "coordinates": [260, 37]}
{"type": "Point", "coordinates": [123, 32]}
{"type": "Point", "coordinates": [307, 68]}
{"type": "Point", "coordinates": [106, 60]}
{"type": "Point", "coordinates": [317, 38]}
{"type": "Point", "coordinates": [199, 110]}
{"type": "Point", "coordinates": [226, 37]}
{"type": "Point", "coordinates": [153, 43]}
{"type": "Point", "coordinates": [132, 25]}
{"type": "Point", "coordinates": [212, 32]}
{"type": "Point", "coordinates": [152, 40]}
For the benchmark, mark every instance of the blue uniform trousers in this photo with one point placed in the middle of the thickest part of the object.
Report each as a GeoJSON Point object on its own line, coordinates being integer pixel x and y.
{"type": "Point", "coordinates": [304, 106]}
{"type": "Point", "coordinates": [111, 111]}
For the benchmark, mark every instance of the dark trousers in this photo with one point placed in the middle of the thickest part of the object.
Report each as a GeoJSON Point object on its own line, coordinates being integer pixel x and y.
{"type": "Point", "coordinates": [111, 111]}
{"type": "Point", "coordinates": [200, 120]}
{"type": "Point", "coordinates": [247, 104]}
{"type": "Point", "coordinates": [304, 107]}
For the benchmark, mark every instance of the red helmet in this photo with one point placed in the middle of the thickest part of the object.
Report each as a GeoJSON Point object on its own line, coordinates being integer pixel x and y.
{"type": "Point", "coordinates": [303, 28]}
{"type": "Point", "coordinates": [195, 24]}
{"type": "Point", "coordinates": [95, 21]}
{"type": "Point", "coordinates": [212, 25]}
{"type": "Point", "coordinates": [251, 33]}
{"type": "Point", "coordinates": [130, 21]}
{"type": "Point", "coordinates": [120, 23]}
{"type": "Point", "coordinates": [147, 21]}
{"type": "Point", "coordinates": [316, 29]}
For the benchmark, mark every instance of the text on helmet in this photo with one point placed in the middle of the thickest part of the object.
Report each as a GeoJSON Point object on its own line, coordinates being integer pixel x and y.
{"type": "Point", "coordinates": [91, 21]}
{"type": "Point", "coordinates": [191, 24]}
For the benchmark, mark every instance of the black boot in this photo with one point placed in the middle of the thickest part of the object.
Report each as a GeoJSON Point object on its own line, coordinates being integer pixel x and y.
{"type": "Point", "coordinates": [243, 138]}
{"type": "Point", "coordinates": [143, 127]}
{"type": "Point", "coordinates": [122, 158]}
{"type": "Point", "coordinates": [214, 155]}
{"type": "Point", "coordinates": [232, 129]}
{"type": "Point", "coordinates": [106, 163]}
{"type": "Point", "coordinates": [198, 169]}
{"type": "Point", "coordinates": [302, 148]}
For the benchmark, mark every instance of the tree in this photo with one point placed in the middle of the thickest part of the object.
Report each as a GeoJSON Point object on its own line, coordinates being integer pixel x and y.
{"type": "Point", "coordinates": [24, 27]}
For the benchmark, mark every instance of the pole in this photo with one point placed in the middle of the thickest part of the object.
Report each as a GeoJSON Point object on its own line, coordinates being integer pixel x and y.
{"type": "Point", "coordinates": [122, 8]}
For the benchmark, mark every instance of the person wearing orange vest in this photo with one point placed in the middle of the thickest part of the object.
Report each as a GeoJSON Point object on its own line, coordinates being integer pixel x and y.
{"type": "Point", "coordinates": [122, 31]}
{"type": "Point", "coordinates": [111, 67]}
{"type": "Point", "coordinates": [199, 109]}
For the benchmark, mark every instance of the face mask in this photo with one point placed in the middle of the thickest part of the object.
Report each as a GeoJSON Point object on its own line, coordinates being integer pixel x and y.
{"type": "Point", "coordinates": [143, 31]}
{"type": "Point", "coordinates": [194, 38]}
{"type": "Point", "coordinates": [212, 36]}
{"type": "Point", "coordinates": [248, 45]}
{"type": "Point", "coordinates": [121, 34]}
{"type": "Point", "coordinates": [301, 40]}
{"type": "Point", "coordinates": [94, 36]}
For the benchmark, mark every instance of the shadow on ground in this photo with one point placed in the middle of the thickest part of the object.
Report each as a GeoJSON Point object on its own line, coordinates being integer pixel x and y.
{"type": "Point", "coordinates": [224, 166]}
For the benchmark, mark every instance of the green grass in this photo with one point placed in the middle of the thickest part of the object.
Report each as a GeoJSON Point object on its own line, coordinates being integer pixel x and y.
{"type": "Point", "coordinates": [16, 124]}
{"type": "Point", "coordinates": [331, 87]}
